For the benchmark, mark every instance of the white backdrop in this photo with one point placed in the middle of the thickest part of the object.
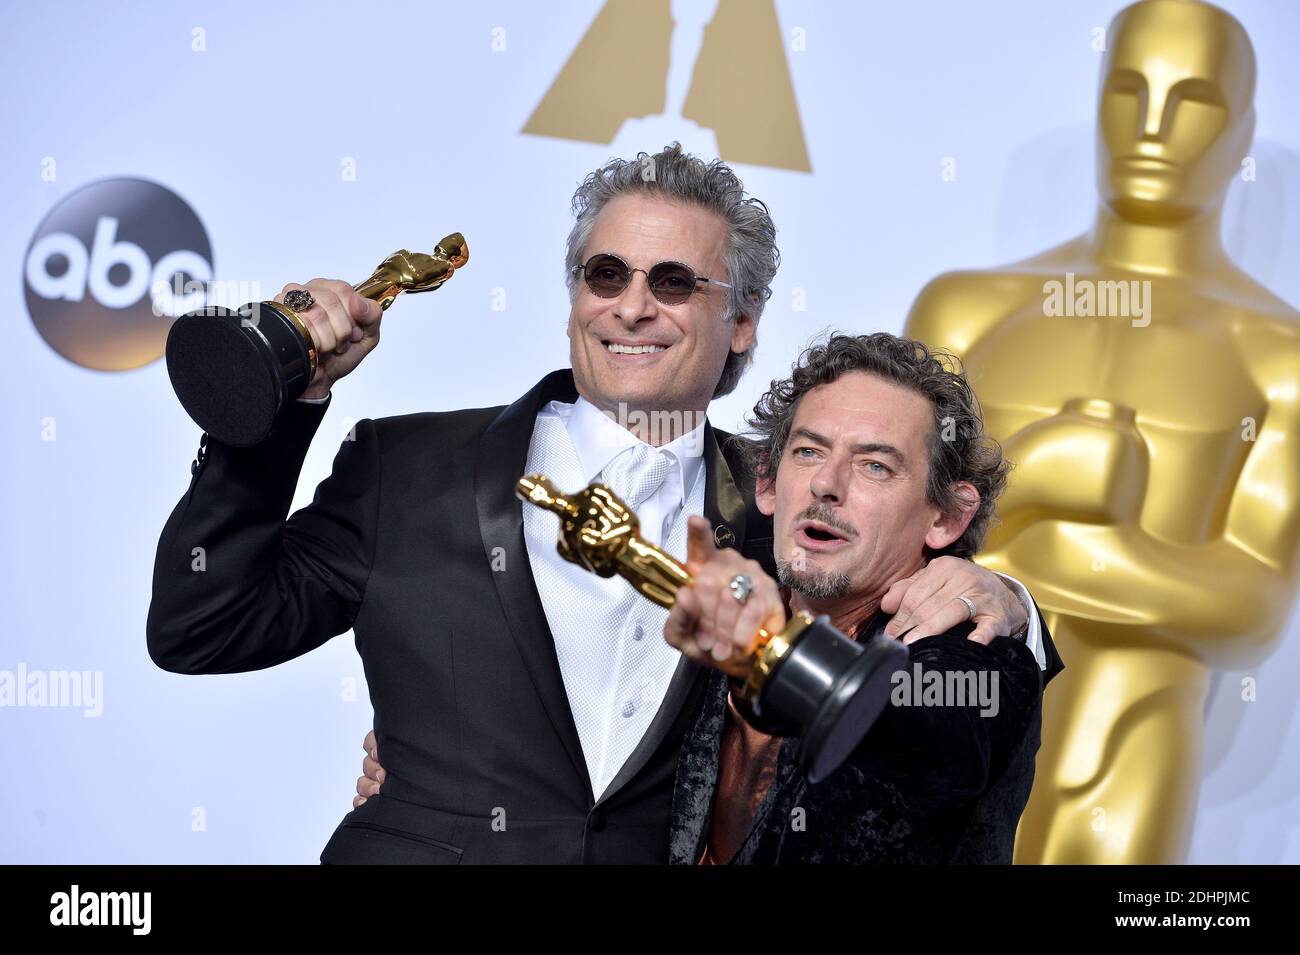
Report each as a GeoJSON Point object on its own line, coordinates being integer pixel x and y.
{"type": "Point", "coordinates": [253, 133]}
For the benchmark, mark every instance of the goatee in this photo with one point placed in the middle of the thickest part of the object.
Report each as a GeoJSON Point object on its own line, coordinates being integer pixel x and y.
{"type": "Point", "coordinates": [812, 585]}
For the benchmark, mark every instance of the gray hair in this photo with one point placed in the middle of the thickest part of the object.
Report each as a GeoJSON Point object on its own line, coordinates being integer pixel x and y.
{"type": "Point", "coordinates": [751, 255]}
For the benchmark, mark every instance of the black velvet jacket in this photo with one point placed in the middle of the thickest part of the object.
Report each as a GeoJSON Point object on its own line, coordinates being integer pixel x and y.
{"type": "Point", "coordinates": [928, 784]}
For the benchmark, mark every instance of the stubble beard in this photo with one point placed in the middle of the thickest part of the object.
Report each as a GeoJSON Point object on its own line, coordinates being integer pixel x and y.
{"type": "Point", "coordinates": [813, 585]}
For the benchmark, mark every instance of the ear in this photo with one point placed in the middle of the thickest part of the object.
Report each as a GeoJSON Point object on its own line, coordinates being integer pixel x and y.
{"type": "Point", "coordinates": [948, 527]}
{"type": "Point", "coordinates": [743, 331]}
{"type": "Point", "coordinates": [765, 493]}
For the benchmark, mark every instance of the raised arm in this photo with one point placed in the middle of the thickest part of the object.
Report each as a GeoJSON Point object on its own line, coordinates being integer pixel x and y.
{"type": "Point", "coordinates": [238, 587]}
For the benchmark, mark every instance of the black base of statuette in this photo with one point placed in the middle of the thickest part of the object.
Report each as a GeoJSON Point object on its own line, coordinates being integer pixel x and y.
{"type": "Point", "coordinates": [829, 690]}
{"type": "Point", "coordinates": [234, 371]}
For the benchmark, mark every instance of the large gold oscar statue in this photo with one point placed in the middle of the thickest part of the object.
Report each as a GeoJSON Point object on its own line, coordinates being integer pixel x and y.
{"type": "Point", "coordinates": [1148, 392]}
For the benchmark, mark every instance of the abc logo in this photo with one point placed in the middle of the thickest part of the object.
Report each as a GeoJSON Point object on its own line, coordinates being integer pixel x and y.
{"type": "Point", "coordinates": [101, 267]}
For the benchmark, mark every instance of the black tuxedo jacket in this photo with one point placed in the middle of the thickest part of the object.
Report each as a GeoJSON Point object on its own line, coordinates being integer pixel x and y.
{"type": "Point", "coordinates": [928, 784]}
{"type": "Point", "coordinates": [415, 542]}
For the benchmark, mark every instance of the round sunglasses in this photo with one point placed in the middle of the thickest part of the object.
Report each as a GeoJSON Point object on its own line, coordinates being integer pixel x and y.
{"type": "Point", "coordinates": [670, 282]}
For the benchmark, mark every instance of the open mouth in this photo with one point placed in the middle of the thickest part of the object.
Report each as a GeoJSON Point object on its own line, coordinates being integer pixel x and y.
{"type": "Point", "coordinates": [816, 535]}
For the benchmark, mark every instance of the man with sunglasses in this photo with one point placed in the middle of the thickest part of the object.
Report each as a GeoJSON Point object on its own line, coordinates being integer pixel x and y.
{"type": "Point", "coordinates": [525, 710]}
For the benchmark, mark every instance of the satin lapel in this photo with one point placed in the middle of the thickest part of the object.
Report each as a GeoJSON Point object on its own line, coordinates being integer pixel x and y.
{"type": "Point", "coordinates": [502, 457]}
{"type": "Point", "coordinates": [724, 501]}
{"type": "Point", "coordinates": [724, 507]}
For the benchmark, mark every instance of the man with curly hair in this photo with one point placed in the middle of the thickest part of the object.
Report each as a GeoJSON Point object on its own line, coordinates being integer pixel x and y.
{"type": "Point", "coordinates": [871, 459]}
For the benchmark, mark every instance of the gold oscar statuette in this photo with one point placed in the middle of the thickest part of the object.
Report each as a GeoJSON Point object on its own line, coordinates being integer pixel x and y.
{"type": "Point", "coordinates": [1126, 372]}
{"type": "Point", "coordinates": [236, 371]}
{"type": "Point", "coordinates": [809, 680]}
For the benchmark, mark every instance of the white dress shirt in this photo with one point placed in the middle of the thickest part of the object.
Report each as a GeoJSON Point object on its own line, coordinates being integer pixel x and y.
{"type": "Point", "coordinates": [609, 639]}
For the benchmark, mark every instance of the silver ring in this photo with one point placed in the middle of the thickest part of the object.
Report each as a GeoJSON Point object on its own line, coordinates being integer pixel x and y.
{"type": "Point", "coordinates": [741, 587]}
{"type": "Point", "coordinates": [970, 606]}
{"type": "Point", "coordinates": [299, 299]}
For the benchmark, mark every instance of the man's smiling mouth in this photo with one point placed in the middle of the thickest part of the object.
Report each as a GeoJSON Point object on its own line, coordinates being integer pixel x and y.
{"type": "Point", "coordinates": [620, 348]}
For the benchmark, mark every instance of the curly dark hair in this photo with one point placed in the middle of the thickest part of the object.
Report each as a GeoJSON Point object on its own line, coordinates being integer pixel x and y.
{"type": "Point", "coordinates": [959, 448]}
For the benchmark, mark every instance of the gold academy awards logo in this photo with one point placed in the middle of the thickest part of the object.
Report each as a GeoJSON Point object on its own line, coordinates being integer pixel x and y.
{"type": "Point", "coordinates": [649, 70]}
